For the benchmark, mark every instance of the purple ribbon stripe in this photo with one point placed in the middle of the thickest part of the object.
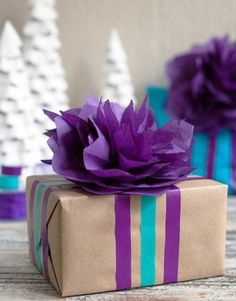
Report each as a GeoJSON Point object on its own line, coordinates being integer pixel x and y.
{"type": "Point", "coordinates": [123, 241]}
{"type": "Point", "coordinates": [171, 257]}
{"type": "Point", "coordinates": [11, 170]}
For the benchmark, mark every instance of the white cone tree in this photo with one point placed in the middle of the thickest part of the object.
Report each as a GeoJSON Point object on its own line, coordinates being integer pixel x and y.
{"type": "Point", "coordinates": [117, 80]}
{"type": "Point", "coordinates": [18, 134]}
{"type": "Point", "coordinates": [47, 77]}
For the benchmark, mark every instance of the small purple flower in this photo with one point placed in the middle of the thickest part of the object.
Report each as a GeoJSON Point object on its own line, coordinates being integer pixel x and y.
{"type": "Point", "coordinates": [203, 85]}
{"type": "Point", "coordinates": [106, 149]}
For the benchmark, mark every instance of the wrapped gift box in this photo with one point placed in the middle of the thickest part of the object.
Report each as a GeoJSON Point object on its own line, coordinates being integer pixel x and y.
{"type": "Point", "coordinates": [212, 156]}
{"type": "Point", "coordinates": [86, 243]}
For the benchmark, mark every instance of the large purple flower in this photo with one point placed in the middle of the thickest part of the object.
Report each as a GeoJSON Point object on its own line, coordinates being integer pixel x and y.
{"type": "Point", "coordinates": [203, 85]}
{"type": "Point", "coordinates": [107, 149]}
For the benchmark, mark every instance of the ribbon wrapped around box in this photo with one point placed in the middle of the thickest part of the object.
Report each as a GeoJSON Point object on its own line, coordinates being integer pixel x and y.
{"type": "Point", "coordinates": [86, 243]}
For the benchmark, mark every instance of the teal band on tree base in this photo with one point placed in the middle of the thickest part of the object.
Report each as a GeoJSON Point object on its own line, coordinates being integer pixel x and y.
{"type": "Point", "coordinates": [9, 182]}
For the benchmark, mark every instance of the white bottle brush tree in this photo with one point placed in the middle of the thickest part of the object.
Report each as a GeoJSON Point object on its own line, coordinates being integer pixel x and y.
{"type": "Point", "coordinates": [18, 134]}
{"type": "Point", "coordinates": [47, 77]}
{"type": "Point", "coordinates": [117, 80]}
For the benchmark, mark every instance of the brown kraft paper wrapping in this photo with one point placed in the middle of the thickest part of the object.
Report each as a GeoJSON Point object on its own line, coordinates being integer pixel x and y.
{"type": "Point", "coordinates": [82, 235]}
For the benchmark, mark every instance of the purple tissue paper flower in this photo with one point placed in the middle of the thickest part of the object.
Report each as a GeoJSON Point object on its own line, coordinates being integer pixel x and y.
{"type": "Point", "coordinates": [203, 85]}
{"type": "Point", "coordinates": [106, 149]}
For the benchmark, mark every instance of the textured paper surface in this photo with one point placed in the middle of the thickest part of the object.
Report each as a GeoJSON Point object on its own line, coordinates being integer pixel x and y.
{"type": "Point", "coordinates": [160, 238]}
{"type": "Point", "coordinates": [88, 243]}
{"type": "Point", "coordinates": [82, 241]}
{"type": "Point", "coordinates": [135, 240]}
{"type": "Point", "coordinates": [202, 235]}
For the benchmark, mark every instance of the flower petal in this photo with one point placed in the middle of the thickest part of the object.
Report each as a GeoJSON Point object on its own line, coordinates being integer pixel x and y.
{"type": "Point", "coordinates": [96, 155]}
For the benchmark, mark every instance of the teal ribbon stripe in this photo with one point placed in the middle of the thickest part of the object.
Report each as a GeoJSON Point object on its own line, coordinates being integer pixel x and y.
{"type": "Point", "coordinates": [37, 217]}
{"type": "Point", "coordinates": [199, 154]}
{"type": "Point", "coordinates": [157, 100]}
{"type": "Point", "coordinates": [148, 240]}
{"type": "Point", "coordinates": [223, 158]}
